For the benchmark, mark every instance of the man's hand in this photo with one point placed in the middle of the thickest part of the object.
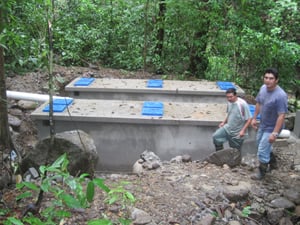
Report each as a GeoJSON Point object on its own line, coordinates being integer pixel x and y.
{"type": "Point", "coordinates": [254, 124]}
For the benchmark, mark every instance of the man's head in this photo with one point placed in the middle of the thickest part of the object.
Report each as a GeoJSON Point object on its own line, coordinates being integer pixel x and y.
{"type": "Point", "coordinates": [271, 78]}
{"type": "Point", "coordinates": [231, 94]}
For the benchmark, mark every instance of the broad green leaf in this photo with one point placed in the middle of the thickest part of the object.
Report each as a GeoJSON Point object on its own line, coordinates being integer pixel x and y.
{"type": "Point", "coordinates": [90, 191]}
{"type": "Point", "coordinates": [58, 162]}
{"type": "Point", "coordinates": [70, 201]}
{"type": "Point", "coordinates": [99, 222]}
{"type": "Point", "coordinates": [130, 196]}
{"type": "Point", "coordinates": [31, 186]}
{"type": "Point", "coordinates": [24, 195]}
{"type": "Point", "coordinates": [15, 221]}
{"type": "Point", "coordinates": [100, 183]}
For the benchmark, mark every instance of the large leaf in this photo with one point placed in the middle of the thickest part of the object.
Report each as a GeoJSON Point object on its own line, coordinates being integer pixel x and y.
{"type": "Point", "coordinates": [70, 201]}
{"type": "Point", "coordinates": [100, 183]}
{"type": "Point", "coordinates": [100, 222]}
{"type": "Point", "coordinates": [90, 191]}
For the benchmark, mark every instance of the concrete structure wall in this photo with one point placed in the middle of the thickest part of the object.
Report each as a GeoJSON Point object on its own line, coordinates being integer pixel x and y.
{"type": "Point", "coordinates": [119, 145]}
{"type": "Point", "coordinates": [121, 133]}
{"type": "Point", "coordinates": [297, 124]}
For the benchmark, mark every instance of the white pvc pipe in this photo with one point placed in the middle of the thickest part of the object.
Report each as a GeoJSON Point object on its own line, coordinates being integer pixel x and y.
{"type": "Point", "coordinates": [29, 96]}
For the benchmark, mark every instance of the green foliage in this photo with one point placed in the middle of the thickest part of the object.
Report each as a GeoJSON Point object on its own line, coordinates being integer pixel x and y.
{"type": "Point", "coordinates": [246, 211]}
{"type": "Point", "coordinates": [120, 194]}
{"type": "Point", "coordinates": [227, 40]}
{"type": "Point", "coordinates": [68, 193]}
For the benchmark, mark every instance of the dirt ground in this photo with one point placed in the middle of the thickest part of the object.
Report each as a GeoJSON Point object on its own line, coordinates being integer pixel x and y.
{"type": "Point", "coordinates": [176, 193]}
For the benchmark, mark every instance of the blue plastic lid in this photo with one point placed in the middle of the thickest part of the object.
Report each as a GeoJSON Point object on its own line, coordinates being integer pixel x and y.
{"type": "Point", "coordinates": [252, 110]}
{"type": "Point", "coordinates": [225, 85]}
{"type": "Point", "coordinates": [56, 108]}
{"type": "Point", "coordinates": [153, 104]}
{"type": "Point", "coordinates": [62, 101]}
{"type": "Point", "coordinates": [152, 111]}
{"type": "Point", "coordinates": [84, 81]}
{"type": "Point", "coordinates": [155, 83]}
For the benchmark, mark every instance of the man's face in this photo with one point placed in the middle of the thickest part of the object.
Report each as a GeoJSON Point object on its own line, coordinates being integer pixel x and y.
{"type": "Point", "coordinates": [270, 81]}
{"type": "Point", "coordinates": [231, 97]}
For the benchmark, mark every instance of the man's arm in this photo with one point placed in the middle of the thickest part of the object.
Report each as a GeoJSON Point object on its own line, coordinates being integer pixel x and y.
{"type": "Point", "coordinates": [256, 112]}
{"type": "Point", "coordinates": [277, 128]}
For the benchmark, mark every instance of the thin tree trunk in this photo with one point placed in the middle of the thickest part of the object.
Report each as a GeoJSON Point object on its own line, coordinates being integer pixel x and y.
{"type": "Point", "coordinates": [145, 36]}
{"type": "Point", "coordinates": [5, 138]}
{"type": "Point", "coordinates": [161, 30]}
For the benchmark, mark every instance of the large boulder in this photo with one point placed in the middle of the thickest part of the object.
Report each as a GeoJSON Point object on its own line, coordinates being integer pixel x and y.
{"type": "Point", "coordinates": [229, 156]}
{"type": "Point", "coordinates": [79, 146]}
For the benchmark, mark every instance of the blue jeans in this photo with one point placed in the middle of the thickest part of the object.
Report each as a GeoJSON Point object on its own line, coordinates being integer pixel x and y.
{"type": "Point", "coordinates": [264, 147]}
{"type": "Point", "coordinates": [221, 136]}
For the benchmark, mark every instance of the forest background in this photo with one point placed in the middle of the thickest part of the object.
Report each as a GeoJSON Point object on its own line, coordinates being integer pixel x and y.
{"type": "Point", "coordinates": [232, 40]}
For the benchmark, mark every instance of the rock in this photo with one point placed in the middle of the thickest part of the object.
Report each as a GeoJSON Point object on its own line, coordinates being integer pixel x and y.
{"type": "Point", "coordinates": [186, 158]}
{"type": "Point", "coordinates": [150, 160]}
{"type": "Point", "coordinates": [79, 146]}
{"type": "Point", "coordinates": [293, 195]}
{"type": "Point", "coordinates": [14, 121]}
{"type": "Point", "coordinates": [237, 193]}
{"type": "Point", "coordinates": [283, 203]}
{"type": "Point", "coordinates": [138, 168]}
{"type": "Point", "coordinates": [208, 220]}
{"type": "Point", "coordinates": [230, 156]}
{"type": "Point", "coordinates": [274, 215]}
{"type": "Point", "coordinates": [23, 104]}
{"type": "Point", "coordinates": [140, 217]}
{"type": "Point", "coordinates": [285, 221]}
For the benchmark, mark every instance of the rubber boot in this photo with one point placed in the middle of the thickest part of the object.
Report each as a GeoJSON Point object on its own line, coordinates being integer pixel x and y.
{"type": "Point", "coordinates": [261, 172]}
{"type": "Point", "coordinates": [219, 147]}
{"type": "Point", "coordinates": [273, 161]}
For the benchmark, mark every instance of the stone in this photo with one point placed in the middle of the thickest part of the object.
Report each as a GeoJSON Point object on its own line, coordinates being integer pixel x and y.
{"type": "Point", "coordinates": [79, 146]}
{"type": "Point", "coordinates": [14, 121]}
{"type": "Point", "coordinates": [186, 158]}
{"type": "Point", "coordinates": [293, 195]}
{"type": "Point", "coordinates": [238, 192]}
{"type": "Point", "coordinates": [229, 156]}
{"type": "Point", "coordinates": [140, 217]}
{"type": "Point", "coordinates": [274, 215]}
{"type": "Point", "coordinates": [23, 104]}
{"type": "Point", "coordinates": [138, 168]}
{"type": "Point", "coordinates": [283, 203]}
{"type": "Point", "coordinates": [208, 220]}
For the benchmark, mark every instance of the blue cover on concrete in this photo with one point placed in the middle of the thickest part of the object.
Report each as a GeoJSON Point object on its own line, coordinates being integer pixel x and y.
{"type": "Point", "coordinates": [84, 81]}
{"type": "Point", "coordinates": [152, 111]}
{"type": "Point", "coordinates": [252, 110]}
{"type": "Point", "coordinates": [155, 83]}
{"type": "Point", "coordinates": [56, 108]}
{"type": "Point", "coordinates": [153, 105]}
{"type": "Point", "coordinates": [62, 101]}
{"type": "Point", "coordinates": [59, 104]}
{"type": "Point", "coordinates": [224, 85]}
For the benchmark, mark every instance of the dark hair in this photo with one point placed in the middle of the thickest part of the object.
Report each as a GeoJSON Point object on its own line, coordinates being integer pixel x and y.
{"type": "Point", "coordinates": [231, 90]}
{"type": "Point", "coordinates": [272, 71]}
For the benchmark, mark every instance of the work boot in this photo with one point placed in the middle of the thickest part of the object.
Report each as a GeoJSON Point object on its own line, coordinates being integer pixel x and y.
{"type": "Point", "coordinates": [273, 161]}
{"type": "Point", "coordinates": [219, 147]}
{"type": "Point", "coordinates": [261, 172]}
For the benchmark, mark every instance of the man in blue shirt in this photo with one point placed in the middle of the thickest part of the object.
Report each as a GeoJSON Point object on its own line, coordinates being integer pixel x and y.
{"type": "Point", "coordinates": [272, 105]}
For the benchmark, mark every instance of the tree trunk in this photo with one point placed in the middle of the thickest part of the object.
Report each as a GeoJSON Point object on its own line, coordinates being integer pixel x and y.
{"type": "Point", "coordinates": [161, 30]}
{"type": "Point", "coordinates": [5, 139]}
{"type": "Point", "coordinates": [198, 61]}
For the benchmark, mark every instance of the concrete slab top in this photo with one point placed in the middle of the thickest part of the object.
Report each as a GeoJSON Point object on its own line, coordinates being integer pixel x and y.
{"type": "Point", "coordinates": [140, 86]}
{"type": "Point", "coordinates": [116, 111]}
